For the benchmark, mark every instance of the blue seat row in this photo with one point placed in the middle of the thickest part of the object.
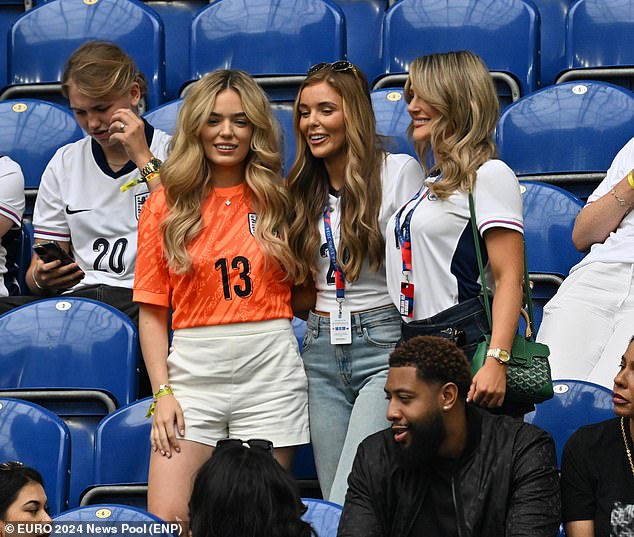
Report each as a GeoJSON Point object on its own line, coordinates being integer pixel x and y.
{"type": "Point", "coordinates": [184, 39]}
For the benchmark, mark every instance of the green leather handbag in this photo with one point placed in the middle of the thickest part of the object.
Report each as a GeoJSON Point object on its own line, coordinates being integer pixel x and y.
{"type": "Point", "coordinates": [528, 378]}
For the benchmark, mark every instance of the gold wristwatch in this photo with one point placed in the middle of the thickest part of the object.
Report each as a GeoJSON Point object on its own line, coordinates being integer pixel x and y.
{"type": "Point", "coordinates": [500, 355]}
{"type": "Point", "coordinates": [151, 167]}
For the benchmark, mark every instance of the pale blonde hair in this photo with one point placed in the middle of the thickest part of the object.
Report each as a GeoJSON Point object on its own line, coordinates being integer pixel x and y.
{"type": "Point", "coordinates": [458, 85]}
{"type": "Point", "coordinates": [361, 194]}
{"type": "Point", "coordinates": [186, 174]}
{"type": "Point", "coordinates": [98, 68]}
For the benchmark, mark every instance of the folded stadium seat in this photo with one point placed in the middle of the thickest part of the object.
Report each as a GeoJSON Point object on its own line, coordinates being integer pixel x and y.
{"type": "Point", "coordinates": [549, 216]}
{"type": "Point", "coordinates": [323, 516]}
{"type": "Point", "coordinates": [599, 43]}
{"type": "Point", "coordinates": [392, 119]}
{"type": "Point", "coordinates": [44, 37]}
{"type": "Point", "coordinates": [567, 134]}
{"type": "Point", "coordinates": [575, 403]}
{"type": "Point", "coordinates": [177, 19]}
{"type": "Point", "coordinates": [414, 28]}
{"type": "Point", "coordinates": [76, 357]}
{"type": "Point", "coordinates": [120, 473]}
{"type": "Point", "coordinates": [10, 10]}
{"type": "Point", "coordinates": [364, 20]}
{"type": "Point", "coordinates": [552, 16]}
{"type": "Point", "coordinates": [113, 519]}
{"type": "Point", "coordinates": [274, 40]}
{"type": "Point", "coordinates": [30, 132]}
{"type": "Point", "coordinates": [36, 437]}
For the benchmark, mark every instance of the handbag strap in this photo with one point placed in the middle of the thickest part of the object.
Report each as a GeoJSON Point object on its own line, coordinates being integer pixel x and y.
{"type": "Point", "coordinates": [483, 281]}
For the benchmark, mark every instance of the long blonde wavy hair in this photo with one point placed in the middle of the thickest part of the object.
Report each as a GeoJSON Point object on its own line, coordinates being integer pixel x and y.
{"type": "Point", "coordinates": [459, 86]}
{"type": "Point", "coordinates": [187, 178]}
{"type": "Point", "coordinates": [362, 189]}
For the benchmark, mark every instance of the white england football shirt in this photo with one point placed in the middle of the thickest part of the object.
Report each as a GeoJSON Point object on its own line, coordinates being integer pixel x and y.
{"type": "Point", "coordinates": [444, 265]}
{"type": "Point", "coordinates": [79, 200]}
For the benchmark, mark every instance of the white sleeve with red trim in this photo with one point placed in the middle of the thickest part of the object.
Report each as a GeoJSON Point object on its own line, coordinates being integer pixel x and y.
{"type": "Point", "coordinates": [497, 198]}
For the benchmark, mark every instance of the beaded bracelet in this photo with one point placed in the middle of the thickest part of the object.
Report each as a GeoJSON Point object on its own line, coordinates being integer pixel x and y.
{"type": "Point", "coordinates": [164, 389]}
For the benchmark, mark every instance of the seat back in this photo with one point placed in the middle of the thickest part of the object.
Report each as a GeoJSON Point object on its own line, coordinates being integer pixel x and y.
{"type": "Point", "coordinates": [552, 16]}
{"type": "Point", "coordinates": [590, 53]}
{"type": "Point", "coordinates": [323, 516]}
{"type": "Point", "coordinates": [10, 10]}
{"type": "Point", "coordinates": [36, 437]}
{"type": "Point", "coordinates": [120, 474]}
{"type": "Point", "coordinates": [31, 131]}
{"type": "Point", "coordinates": [164, 117]}
{"type": "Point", "coordinates": [392, 119]}
{"type": "Point", "coordinates": [177, 17]}
{"type": "Point", "coordinates": [78, 358]}
{"type": "Point", "coordinates": [575, 403]}
{"type": "Point", "coordinates": [118, 519]}
{"type": "Point", "coordinates": [417, 27]}
{"type": "Point", "coordinates": [364, 25]}
{"type": "Point", "coordinates": [69, 343]}
{"type": "Point", "coordinates": [275, 40]}
{"type": "Point", "coordinates": [566, 134]}
{"type": "Point", "coordinates": [43, 38]}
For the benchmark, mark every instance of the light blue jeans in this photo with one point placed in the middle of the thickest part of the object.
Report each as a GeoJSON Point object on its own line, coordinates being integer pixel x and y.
{"type": "Point", "coordinates": [346, 401]}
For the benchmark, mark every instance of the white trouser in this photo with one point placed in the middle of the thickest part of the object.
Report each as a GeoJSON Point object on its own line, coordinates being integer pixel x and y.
{"type": "Point", "coordinates": [589, 322]}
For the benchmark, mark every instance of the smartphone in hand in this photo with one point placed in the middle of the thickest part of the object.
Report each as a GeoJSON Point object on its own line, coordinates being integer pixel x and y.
{"type": "Point", "coordinates": [51, 251]}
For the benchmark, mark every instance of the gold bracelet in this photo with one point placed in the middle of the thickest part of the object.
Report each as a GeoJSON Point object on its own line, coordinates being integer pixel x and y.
{"type": "Point", "coordinates": [164, 389]}
{"type": "Point", "coordinates": [630, 180]}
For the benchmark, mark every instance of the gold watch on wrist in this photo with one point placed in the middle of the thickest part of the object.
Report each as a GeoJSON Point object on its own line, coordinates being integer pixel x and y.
{"type": "Point", "coordinates": [501, 355]}
{"type": "Point", "coordinates": [151, 167]}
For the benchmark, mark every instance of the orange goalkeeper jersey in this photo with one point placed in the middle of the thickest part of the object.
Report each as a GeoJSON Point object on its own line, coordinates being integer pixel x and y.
{"type": "Point", "coordinates": [228, 283]}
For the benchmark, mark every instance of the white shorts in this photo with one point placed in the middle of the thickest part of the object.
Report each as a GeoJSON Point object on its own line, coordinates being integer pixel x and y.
{"type": "Point", "coordinates": [241, 380]}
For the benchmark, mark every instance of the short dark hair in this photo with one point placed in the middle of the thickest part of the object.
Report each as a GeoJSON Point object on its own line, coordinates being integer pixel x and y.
{"type": "Point", "coordinates": [436, 359]}
{"type": "Point", "coordinates": [243, 491]}
{"type": "Point", "coordinates": [13, 478]}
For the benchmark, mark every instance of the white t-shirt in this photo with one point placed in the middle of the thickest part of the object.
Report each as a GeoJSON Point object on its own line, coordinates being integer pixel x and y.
{"type": "Point", "coordinates": [444, 264]}
{"type": "Point", "coordinates": [79, 200]}
{"type": "Point", "coordinates": [401, 176]}
{"type": "Point", "coordinates": [11, 206]}
{"type": "Point", "coordinates": [619, 246]}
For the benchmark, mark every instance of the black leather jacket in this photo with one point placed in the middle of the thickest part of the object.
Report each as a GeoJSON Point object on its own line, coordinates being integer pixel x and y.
{"type": "Point", "coordinates": [507, 484]}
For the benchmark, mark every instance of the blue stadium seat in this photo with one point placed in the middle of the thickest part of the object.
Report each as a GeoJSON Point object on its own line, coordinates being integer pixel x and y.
{"type": "Point", "coordinates": [164, 117]}
{"type": "Point", "coordinates": [10, 10]}
{"type": "Point", "coordinates": [78, 358]}
{"type": "Point", "coordinates": [121, 520]}
{"type": "Point", "coordinates": [43, 38]}
{"type": "Point", "coordinates": [549, 216]}
{"type": "Point", "coordinates": [323, 516]}
{"type": "Point", "coordinates": [120, 473]}
{"type": "Point", "coordinates": [575, 403]}
{"type": "Point", "coordinates": [177, 17]}
{"type": "Point", "coordinates": [364, 22]}
{"type": "Point", "coordinates": [392, 119]}
{"type": "Point", "coordinates": [38, 438]}
{"type": "Point", "coordinates": [274, 40]}
{"type": "Point", "coordinates": [417, 27]}
{"type": "Point", "coordinates": [567, 134]}
{"type": "Point", "coordinates": [552, 15]}
{"type": "Point", "coordinates": [30, 133]}
{"type": "Point", "coordinates": [599, 42]}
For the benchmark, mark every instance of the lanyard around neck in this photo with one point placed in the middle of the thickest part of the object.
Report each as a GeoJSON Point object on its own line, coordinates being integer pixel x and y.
{"type": "Point", "coordinates": [403, 231]}
{"type": "Point", "coordinates": [340, 280]}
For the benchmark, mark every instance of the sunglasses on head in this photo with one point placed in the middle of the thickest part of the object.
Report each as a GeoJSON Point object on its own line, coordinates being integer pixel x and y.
{"type": "Point", "coordinates": [340, 66]}
{"type": "Point", "coordinates": [11, 465]}
{"type": "Point", "coordinates": [254, 443]}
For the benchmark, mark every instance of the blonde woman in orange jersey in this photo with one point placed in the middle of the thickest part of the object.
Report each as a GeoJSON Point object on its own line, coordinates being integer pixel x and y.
{"type": "Point", "coordinates": [212, 244]}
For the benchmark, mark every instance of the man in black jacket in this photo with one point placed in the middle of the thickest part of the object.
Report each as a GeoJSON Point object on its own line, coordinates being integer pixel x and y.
{"type": "Point", "coordinates": [447, 468]}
